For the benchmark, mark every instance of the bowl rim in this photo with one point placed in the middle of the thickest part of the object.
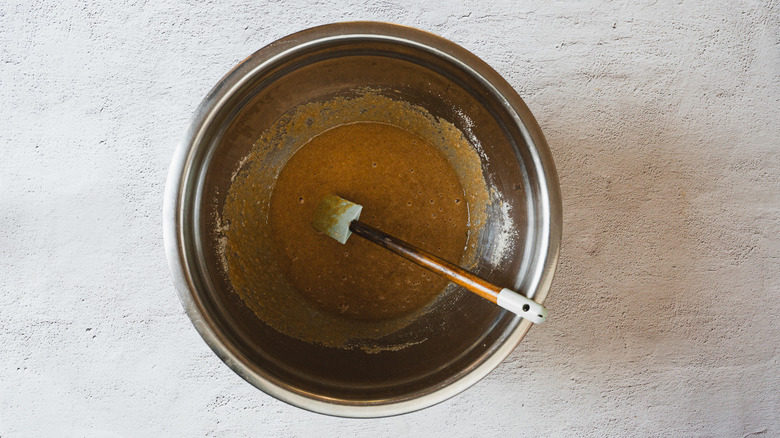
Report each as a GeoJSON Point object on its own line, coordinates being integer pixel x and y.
{"type": "Point", "coordinates": [550, 214]}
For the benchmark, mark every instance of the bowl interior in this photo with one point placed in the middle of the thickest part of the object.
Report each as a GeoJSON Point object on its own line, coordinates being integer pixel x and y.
{"type": "Point", "coordinates": [457, 335]}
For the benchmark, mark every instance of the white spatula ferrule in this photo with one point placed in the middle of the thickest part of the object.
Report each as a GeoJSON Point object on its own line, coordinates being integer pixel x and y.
{"type": "Point", "coordinates": [522, 306]}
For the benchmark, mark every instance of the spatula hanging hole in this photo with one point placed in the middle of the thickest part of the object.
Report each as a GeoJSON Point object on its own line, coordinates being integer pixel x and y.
{"type": "Point", "coordinates": [526, 307]}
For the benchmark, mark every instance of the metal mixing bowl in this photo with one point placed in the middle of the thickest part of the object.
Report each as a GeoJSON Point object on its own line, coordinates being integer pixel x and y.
{"type": "Point", "coordinates": [464, 339]}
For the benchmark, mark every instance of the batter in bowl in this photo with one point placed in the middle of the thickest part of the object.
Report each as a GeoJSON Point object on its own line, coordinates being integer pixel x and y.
{"type": "Point", "coordinates": [407, 188]}
{"type": "Point", "coordinates": [417, 177]}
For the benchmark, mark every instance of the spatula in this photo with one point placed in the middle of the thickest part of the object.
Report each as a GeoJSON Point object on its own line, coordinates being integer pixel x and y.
{"type": "Point", "coordinates": [338, 218]}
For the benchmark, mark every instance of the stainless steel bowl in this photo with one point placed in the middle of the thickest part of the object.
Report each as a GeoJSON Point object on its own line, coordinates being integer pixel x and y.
{"type": "Point", "coordinates": [464, 339]}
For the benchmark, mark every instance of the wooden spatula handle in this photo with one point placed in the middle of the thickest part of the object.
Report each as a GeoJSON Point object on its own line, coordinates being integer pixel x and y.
{"type": "Point", "coordinates": [504, 297]}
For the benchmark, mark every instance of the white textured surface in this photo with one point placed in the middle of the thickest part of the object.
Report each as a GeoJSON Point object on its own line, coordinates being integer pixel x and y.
{"type": "Point", "coordinates": [663, 117]}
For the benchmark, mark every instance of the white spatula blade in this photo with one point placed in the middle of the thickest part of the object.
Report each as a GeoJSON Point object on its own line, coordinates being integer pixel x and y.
{"type": "Point", "coordinates": [333, 216]}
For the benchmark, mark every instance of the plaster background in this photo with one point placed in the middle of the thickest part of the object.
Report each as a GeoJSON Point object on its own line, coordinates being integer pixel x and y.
{"type": "Point", "coordinates": [663, 117]}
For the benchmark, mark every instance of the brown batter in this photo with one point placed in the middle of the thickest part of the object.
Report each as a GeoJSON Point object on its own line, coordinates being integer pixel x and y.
{"type": "Point", "coordinates": [257, 247]}
{"type": "Point", "coordinates": [407, 188]}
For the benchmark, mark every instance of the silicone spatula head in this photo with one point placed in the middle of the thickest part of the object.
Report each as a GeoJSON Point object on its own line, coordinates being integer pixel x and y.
{"type": "Point", "coordinates": [333, 216]}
